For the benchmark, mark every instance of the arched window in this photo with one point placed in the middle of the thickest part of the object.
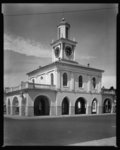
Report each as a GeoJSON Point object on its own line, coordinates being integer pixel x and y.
{"type": "Point", "coordinates": [94, 106]}
{"type": "Point", "coordinates": [80, 106]}
{"type": "Point", "coordinates": [94, 82]}
{"type": "Point", "coordinates": [15, 106]}
{"type": "Point", "coordinates": [65, 106]}
{"type": "Point", "coordinates": [52, 79]}
{"type": "Point", "coordinates": [107, 106]}
{"type": "Point", "coordinates": [80, 81]}
{"type": "Point", "coordinates": [65, 79]}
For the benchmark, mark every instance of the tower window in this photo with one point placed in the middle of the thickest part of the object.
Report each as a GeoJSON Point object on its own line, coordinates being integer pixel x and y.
{"type": "Point", "coordinates": [59, 32]}
{"type": "Point", "coordinates": [80, 81]}
{"type": "Point", "coordinates": [65, 79]}
{"type": "Point", "coordinates": [67, 32]}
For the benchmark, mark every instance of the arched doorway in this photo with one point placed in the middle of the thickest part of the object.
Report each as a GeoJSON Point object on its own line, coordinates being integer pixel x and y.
{"type": "Point", "coordinates": [80, 106]}
{"type": "Point", "coordinates": [94, 106]}
{"type": "Point", "coordinates": [65, 106]}
{"type": "Point", "coordinates": [107, 106]}
{"type": "Point", "coordinates": [41, 106]}
{"type": "Point", "coordinates": [15, 106]}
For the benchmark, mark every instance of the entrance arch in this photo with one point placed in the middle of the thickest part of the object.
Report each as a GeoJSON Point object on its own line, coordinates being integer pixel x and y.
{"type": "Point", "coordinates": [15, 106]}
{"type": "Point", "coordinates": [65, 106]}
{"type": "Point", "coordinates": [41, 106]}
{"type": "Point", "coordinates": [80, 106]}
{"type": "Point", "coordinates": [94, 106]}
{"type": "Point", "coordinates": [107, 106]}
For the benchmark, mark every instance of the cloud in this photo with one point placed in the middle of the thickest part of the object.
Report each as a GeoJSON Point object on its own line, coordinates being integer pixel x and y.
{"type": "Point", "coordinates": [25, 46]}
{"type": "Point", "coordinates": [108, 81]}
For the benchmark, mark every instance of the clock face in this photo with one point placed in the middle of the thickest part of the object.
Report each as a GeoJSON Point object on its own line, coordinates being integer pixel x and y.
{"type": "Point", "coordinates": [68, 51]}
{"type": "Point", "coordinates": [57, 52]}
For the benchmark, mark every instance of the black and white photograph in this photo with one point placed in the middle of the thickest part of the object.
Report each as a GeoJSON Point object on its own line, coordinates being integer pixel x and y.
{"type": "Point", "coordinates": [59, 74]}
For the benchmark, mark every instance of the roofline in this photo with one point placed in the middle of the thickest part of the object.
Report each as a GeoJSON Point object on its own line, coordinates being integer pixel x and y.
{"type": "Point", "coordinates": [51, 64]}
{"type": "Point", "coordinates": [63, 39]}
{"type": "Point", "coordinates": [78, 65]}
{"type": "Point", "coordinates": [62, 62]}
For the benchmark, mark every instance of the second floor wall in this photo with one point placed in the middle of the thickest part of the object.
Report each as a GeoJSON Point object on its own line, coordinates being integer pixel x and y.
{"type": "Point", "coordinates": [67, 80]}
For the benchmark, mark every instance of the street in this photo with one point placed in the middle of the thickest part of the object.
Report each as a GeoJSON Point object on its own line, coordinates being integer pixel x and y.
{"type": "Point", "coordinates": [58, 131]}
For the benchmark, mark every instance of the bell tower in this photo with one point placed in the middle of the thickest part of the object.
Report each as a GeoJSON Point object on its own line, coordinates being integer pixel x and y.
{"type": "Point", "coordinates": [63, 48]}
{"type": "Point", "coordinates": [63, 29]}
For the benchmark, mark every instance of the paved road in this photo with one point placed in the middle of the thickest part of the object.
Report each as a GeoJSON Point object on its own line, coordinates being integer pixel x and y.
{"type": "Point", "coordinates": [58, 131]}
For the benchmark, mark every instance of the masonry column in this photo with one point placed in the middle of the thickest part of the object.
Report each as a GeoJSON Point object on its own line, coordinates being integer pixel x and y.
{"type": "Point", "coordinates": [72, 85]}
{"type": "Point", "coordinates": [88, 83]}
{"type": "Point", "coordinates": [100, 106]}
{"type": "Point", "coordinates": [88, 108]}
{"type": "Point", "coordinates": [20, 106]}
{"type": "Point", "coordinates": [58, 79]}
{"type": "Point", "coordinates": [112, 109]}
{"type": "Point", "coordinates": [11, 108]}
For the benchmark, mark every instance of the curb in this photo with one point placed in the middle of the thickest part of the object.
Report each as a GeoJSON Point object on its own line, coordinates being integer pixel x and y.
{"type": "Point", "coordinates": [62, 116]}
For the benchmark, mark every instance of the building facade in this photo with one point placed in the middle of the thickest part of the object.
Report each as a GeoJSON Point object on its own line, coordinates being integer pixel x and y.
{"type": "Point", "coordinates": [63, 87]}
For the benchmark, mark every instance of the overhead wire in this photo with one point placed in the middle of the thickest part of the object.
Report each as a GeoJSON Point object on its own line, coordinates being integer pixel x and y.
{"type": "Point", "coordinates": [57, 12]}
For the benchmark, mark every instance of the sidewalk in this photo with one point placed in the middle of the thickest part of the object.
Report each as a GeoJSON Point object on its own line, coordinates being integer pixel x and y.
{"type": "Point", "coordinates": [61, 116]}
{"type": "Point", "coordinates": [102, 142]}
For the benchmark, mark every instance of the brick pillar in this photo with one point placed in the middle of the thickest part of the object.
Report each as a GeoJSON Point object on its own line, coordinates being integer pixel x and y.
{"type": "Point", "coordinates": [100, 110]}
{"type": "Point", "coordinates": [11, 110]}
{"type": "Point", "coordinates": [72, 110]}
{"type": "Point", "coordinates": [59, 111]}
{"type": "Point", "coordinates": [30, 111]}
{"type": "Point", "coordinates": [52, 110]}
{"type": "Point", "coordinates": [88, 109]}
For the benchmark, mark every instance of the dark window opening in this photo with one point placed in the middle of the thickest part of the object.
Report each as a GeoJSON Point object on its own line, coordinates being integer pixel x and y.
{"type": "Point", "coordinates": [65, 79]}
{"type": "Point", "coordinates": [80, 81]}
{"type": "Point", "coordinates": [67, 32]}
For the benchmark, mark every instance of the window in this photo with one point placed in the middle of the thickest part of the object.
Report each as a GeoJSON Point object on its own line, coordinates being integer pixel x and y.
{"type": "Point", "coordinates": [52, 79]}
{"type": "Point", "coordinates": [59, 32]}
{"type": "Point", "coordinates": [94, 82]}
{"type": "Point", "coordinates": [66, 32]}
{"type": "Point", "coordinates": [65, 79]}
{"type": "Point", "coordinates": [94, 106]}
{"type": "Point", "coordinates": [80, 81]}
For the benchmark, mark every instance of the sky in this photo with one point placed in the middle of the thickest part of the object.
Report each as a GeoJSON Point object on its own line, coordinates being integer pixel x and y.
{"type": "Point", "coordinates": [30, 28]}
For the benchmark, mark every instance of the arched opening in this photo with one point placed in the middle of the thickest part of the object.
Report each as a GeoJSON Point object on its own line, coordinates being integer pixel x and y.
{"type": "Point", "coordinates": [80, 107]}
{"type": "Point", "coordinates": [15, 106]}
{"type": "Point", "coordinates": [65, 79]}
{"type": "Point", "coordinates": [94, 106]}
{"type": "Point", "coordinates": [41, 106]}
{"type": "Point", "coordinates": [80, 81]}
{"type": "Point", "coordinates": [9, 107]}
{"type": "Point", "coordinates": [107, 106]}
{"type": "Point", "coordinates": [65, 106]}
